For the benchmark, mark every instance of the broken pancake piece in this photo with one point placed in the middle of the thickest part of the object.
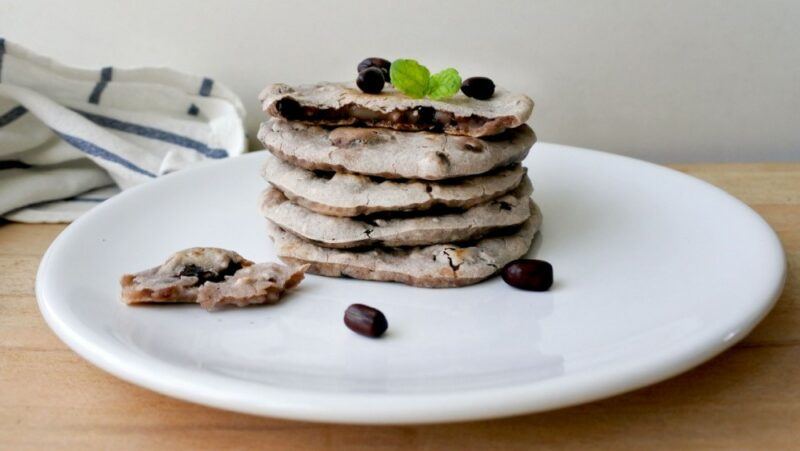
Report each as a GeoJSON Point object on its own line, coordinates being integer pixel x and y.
{"type": "Point", "coordinates": [263, 283]}
{"type": "Point", "coordinates": [343, 194]}
{"type": "Point", "coordinates": [506, 211]}
{"type": "Point", "coordinates": [392, 154]}
{"type": "Point", "coordinates": [344, 104]}
{"type": "Point", "coordinates": [178, 279]}
{"type": "Point", "coordinates": [191, 275]}
{"type": "Point", "coordinates": [436, 266]}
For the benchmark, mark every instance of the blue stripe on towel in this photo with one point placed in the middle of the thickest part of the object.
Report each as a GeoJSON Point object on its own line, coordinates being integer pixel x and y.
{"type": "Point", "coordinates": [105, 77]}
{"type": "Point", "coordinates": [205, 87]}
{"type": "Point", "coordinates": [193, 110]}
{"type": "Point", "coordinates": [105, 73]}
{"type": "Point", "coordinates": [2, 52]}
{"type": "Point", "coordinates": [12, 115]}
{"type": "Point", "coordinates": [97, 151]}
{"type": "Point", "coordinates": [153, 133]}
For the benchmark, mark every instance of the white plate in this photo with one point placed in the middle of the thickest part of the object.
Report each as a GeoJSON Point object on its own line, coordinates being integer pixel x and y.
{"type": "Point", "coordinates": [655, 273]}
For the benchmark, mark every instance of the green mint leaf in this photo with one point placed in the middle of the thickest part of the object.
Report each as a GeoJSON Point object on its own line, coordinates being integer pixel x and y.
{"type": "Point", "coordinates": [444, 84]}
{"type": "Point", "coordinates": [409, 77]}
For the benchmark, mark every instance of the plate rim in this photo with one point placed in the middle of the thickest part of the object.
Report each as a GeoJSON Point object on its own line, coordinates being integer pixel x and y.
{"type": "Point", "coordinates": [386, 409]}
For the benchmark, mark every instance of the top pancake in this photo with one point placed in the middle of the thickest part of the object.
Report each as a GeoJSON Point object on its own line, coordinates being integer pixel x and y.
{"type": "Point", "coordinates": [330, 103]}
{"type": "Point", "coordinates": [392, 154]}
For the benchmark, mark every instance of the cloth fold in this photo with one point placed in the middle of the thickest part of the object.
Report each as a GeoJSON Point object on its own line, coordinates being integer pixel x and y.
{"type": "Point", "coordinates": [66, 131]}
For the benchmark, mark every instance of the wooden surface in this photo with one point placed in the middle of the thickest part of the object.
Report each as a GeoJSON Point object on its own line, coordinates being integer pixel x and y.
{"type": "Point", "coordinates": [747, 398]}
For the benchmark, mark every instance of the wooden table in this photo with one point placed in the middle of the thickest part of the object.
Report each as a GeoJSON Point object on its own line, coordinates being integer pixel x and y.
{"type": "Point", "coordinates": [749, 397]}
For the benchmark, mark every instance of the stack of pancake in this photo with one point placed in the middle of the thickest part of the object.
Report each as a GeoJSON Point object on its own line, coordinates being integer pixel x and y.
{"type": "Point", "coordinates": [385, 187]}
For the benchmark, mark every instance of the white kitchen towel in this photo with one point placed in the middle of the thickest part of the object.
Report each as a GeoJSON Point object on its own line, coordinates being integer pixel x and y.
{"type": "Point", "coordinates": [70, 138]}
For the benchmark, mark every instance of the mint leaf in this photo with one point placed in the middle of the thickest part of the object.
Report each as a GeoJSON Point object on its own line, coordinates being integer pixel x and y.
{"type": "Point", "coordinates": [444, 84]}
{"type": "Point", "coordinates": [409, 77]}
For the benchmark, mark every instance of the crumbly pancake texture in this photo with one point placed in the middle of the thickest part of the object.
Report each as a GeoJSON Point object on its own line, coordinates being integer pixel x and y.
{"type": "Point", "coordinates": [262, 283]}
{"type": "Point", "coordinates": [178, 279]}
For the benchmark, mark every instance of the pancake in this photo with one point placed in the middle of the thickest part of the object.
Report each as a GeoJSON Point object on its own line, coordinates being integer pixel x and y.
{"type": "Point", "coordinates": [343, 194]}
{"type": "Point", "coordinates": [393, 154]}
{"type": "Point", "coordinates": [436, 266]}
{"type": "Point", "coordinates": [504, 212]}
{"type": "Point", "coordinates": [338, 104]}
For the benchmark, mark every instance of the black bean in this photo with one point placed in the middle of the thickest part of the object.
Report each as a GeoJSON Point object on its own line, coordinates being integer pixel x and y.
{"type": "Point", "coordinates": [380, 63]}
{"type": "Point", "coordinates": [532, 275]}
{"type": "Point", "coordinates": [370, 80]}
{"type": "Point", "coordinates": [191, 271]}
{"type": "Point", "coordinates": [204, 275]}
{"type": "Point", "coordinates": [480, 88]}
{"type": "Point", "coordinates": [289, 108]}
{"type": "Point", "coordinates": [365, 320]}
{"type": "Point", "coordinates": [421, 115]}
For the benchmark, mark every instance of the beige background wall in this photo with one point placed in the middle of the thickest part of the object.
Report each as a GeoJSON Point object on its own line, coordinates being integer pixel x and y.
{"type": "Point", "coordinates": [673, 80]}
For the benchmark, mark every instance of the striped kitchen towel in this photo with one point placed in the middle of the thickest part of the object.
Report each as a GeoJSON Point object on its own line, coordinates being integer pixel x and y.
{"type": "Point", "coordinates": [70, 138]}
